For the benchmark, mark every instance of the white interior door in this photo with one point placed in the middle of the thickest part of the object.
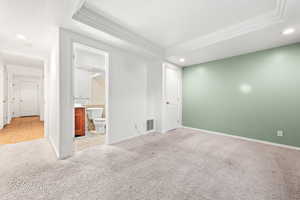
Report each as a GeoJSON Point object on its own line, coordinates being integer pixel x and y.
{"type": "Point", "coordinates": [28, 99]}
{"type": "Point", "coordinates": [172, 98]}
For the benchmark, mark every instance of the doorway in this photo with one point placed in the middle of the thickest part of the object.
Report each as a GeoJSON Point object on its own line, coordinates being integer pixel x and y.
{"type": "Point", "coordinates": [24, 104]}
{"type": "Point", "coordinates": [28, 98]}
{"type": "Point", "coordinates": [172, 97]}
{"type": "Point", "coordinates": [90, 94]}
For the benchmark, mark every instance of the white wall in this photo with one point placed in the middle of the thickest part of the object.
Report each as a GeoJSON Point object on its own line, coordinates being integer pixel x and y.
{"type": "Point", "coordinates": [128, 91]}
{"type": "Point", "coordinates": [46, 95]}
{"type": "Point", "coordinates": [1, 92]}
{"type": "Point", "coordinates": [52, 93]}
{"type": "Point", "coordinates": [82, 83]}
{"type": "Point", "coordinates": [98, 95]}
{"type": "Point", "coordinates": [154, 93]}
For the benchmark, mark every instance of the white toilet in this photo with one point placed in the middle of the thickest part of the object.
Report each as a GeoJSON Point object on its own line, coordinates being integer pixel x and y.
{"type": "Point", "coordinates": [96, 115]}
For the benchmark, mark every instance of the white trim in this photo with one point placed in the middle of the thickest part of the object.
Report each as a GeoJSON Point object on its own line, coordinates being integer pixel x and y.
{"type": "Point", "coordinates": [244, 138]}
{"type": "Point", "coordinates": [101, 21]}
{"type": "Point", "coordinates": [1, 95]}
{"type": "Point", "coordinates": [86, 13]}
{"type": "Point", "coordinates": [53, 147]}
{"type": "Point", "coordinates": [124, 139]}
{"type": "Point", "coordinates": [254, 24]}
{"type": "Point", "coordinates": [79, 46]}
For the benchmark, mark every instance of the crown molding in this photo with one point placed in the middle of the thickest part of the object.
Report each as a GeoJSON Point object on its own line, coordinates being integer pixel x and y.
{"type": "Point", "coordinates": [100, 21]}
{"type": "Point", "coordinates": [257, 23]}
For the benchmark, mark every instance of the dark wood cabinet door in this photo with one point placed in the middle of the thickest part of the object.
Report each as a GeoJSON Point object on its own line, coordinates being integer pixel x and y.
{"type": "Point", "coordinates": [79, 121]}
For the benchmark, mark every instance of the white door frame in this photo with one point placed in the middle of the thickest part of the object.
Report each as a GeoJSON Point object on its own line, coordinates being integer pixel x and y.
{"type": "Point", "coordinates": [107, 86]}
{"type": "Point", "coordinates": [1, 97]}
{"type": "Point", "coordinates": [163, 104]}
{"type": "Point", "coordinates": [5, 97]}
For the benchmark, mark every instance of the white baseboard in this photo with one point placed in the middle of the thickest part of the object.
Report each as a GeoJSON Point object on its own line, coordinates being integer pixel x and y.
{"type": "Point", "coordinates": [53, 147]}
{"type": "Point", "coordinates": [123, 139]}
{"type": "Point", "coordinates": [244, 138]}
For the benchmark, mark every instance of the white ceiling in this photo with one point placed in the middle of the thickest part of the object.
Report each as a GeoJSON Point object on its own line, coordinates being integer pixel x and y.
{"type": "Point", "coordinates": [35, 19]}
{"type": "Point", "coordinates": [203, 30]}
{"type": "Point", "coordinates": [197, 30]}
{"type": "Point", "coordinates": [20, 60]}
{"type": "Point", "coordinates": [38, 21]}
{"type": "Point", "coordinates": [170, 22]}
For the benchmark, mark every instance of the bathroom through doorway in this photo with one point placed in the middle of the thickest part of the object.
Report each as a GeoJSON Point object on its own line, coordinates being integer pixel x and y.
{"type": "Point", "coordinates": [90, 92]}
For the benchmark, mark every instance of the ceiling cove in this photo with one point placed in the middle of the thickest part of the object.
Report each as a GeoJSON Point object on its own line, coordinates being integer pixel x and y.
{"type": "Point", "coordinates": [257, 23]}
{"type": "Point", "coordinates": [101, 21]}
{"type": "Point", "coordinates": [87, 15]}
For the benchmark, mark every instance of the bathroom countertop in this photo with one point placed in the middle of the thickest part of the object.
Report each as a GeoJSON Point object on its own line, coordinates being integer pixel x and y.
{"type": "Point", "coordinates": [78, 106]}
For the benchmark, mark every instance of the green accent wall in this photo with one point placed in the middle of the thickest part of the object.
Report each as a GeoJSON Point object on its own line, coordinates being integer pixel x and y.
{"type": "Point", "coordinates": [251, 95]}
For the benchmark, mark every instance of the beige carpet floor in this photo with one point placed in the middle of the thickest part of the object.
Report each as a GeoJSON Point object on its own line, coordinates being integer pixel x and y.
{"type": "Point", "coordinates": [180, 165]}
{"type": "Point", "coordinates": [91, 140]}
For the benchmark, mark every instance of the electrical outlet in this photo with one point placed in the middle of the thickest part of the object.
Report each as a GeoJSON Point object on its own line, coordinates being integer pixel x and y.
{"type": "Point", "coordinates": [137, 128]}
{"type": "Point", "coordinates": [279, 133]}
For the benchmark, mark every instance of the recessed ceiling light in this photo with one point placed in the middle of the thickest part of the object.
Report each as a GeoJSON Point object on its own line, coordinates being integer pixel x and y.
{"type": "Point", "coordinates": [21, 37]}
{"type": "Point", "coordinates": [181, 59]}
{"type": "Point", "coordinates": [288, 31]}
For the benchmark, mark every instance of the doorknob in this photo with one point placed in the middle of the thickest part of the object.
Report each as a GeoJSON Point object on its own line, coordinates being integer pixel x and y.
{"type": "Point", "coordinates": [167, 102]}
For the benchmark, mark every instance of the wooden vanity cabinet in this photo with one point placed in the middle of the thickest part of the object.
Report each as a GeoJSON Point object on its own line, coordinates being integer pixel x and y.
{"type": "Point", "coordinates": [79, 122]}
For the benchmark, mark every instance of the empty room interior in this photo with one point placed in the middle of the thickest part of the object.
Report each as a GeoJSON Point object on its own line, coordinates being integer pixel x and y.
{"type": "Point", "coordinates": [156, 100]}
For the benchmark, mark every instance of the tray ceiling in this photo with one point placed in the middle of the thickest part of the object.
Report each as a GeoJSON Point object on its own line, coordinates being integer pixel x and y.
{"type": "Point", "coordinates": [170, 22]}
{"type": "Point", "coordinates": [197, 30]}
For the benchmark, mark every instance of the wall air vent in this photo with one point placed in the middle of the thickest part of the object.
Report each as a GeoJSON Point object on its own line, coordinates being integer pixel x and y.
{"type": "Point", "coordinates": [150, 126]}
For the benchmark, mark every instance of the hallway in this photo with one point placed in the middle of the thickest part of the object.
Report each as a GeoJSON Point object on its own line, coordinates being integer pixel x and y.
{"type": "Point", "coordinates": [22, 129]}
